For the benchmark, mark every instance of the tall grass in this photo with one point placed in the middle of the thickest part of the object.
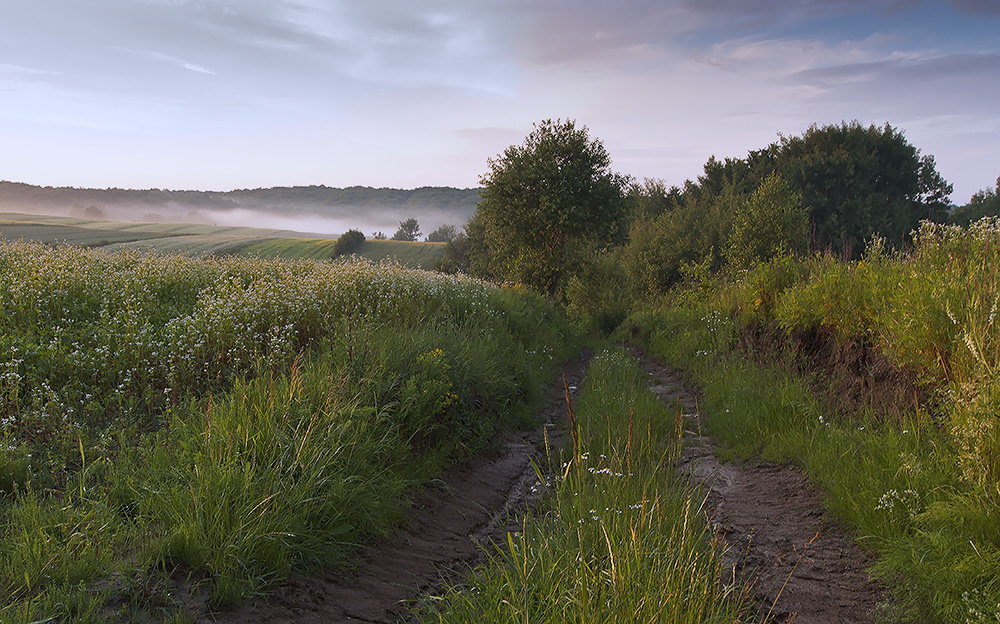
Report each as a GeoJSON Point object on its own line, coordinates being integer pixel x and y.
{"type": "Point", "coordinates": [920, 488]}
{"type": "Point", "coordinates": [227, 420]}
{"type": "Point", "coordinates": [618, 538]}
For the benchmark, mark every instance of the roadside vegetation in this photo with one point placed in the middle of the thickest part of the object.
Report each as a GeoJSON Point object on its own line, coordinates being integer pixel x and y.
{"type": "Point", "coordinates": [180, 429]}
{"type": "Point", "coordinates": [834, 320]}
{"type": "Point", "coordinates": [909, 455]}
{"type": "Point", "coordinates": [618, 537]}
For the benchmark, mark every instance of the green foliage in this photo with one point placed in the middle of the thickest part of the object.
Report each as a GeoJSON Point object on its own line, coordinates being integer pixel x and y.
{"type": "Point", "coordinates": [545, 204]}
{"type": "Point", "coordinates": [898, 483]}
{"type": "Point", "coordinates": [754, 293]}
{"type": "Point", "coordinates": [858, 181]}
{"type": "Point", "coordinates": [409, 230]}
{"type": "Point", "coordinates": [692, 233]}
{"type": "Point", "coordinates": [985, 203]}
{"type": "Point", "coordinates": [618, 538]}
{"type": "Point", "coordinates": [444, 234]}
{"type": "Point", "coordinates": [597, 297]}
{"type": "Point", "coordinates": [348, 243]}
{"type": "Point", "coordinates": [772, 222]}
{"type": "Point", "coordinates": [652, 198]}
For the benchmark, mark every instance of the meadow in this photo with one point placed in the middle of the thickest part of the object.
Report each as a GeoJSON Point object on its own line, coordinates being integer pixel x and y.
{"type": "Point", "coordinates": [179, 428]}
{"type": "Point", "coordinates": [189, 415]}
{"type": "Point", "coordinates": [191, 239]}
{"type": "Point", "coordinates": [899, 428]}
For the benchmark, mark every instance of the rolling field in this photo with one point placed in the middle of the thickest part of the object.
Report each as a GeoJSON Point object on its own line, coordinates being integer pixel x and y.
{"type": "Point", "coordinates": [193, 239]}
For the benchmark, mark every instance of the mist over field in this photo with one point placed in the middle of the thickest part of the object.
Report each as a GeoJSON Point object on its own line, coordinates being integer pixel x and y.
{"type": "Point", "coordinates": [385, 221]}
{"type": "Point", "coordinates": [314, 210]}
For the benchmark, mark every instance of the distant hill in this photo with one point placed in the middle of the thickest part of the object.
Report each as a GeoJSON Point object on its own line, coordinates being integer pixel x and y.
{"type": "Point", "coordinates": [337, 209]}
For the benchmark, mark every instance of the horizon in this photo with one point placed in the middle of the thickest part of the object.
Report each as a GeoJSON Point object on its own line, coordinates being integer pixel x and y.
{"type": "Point", "coordinates": [200, 95]}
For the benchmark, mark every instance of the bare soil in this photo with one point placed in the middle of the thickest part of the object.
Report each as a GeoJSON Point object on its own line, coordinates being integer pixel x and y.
{"type": "Point", "coordinates": [801, 566]}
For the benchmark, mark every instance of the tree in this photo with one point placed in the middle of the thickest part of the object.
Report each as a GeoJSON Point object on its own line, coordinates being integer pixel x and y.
{"type": "Point", "coordinates": [349, 242]}
{"type": "Point", "coordinates": [985, 203]}
{"type": "Point", "coordinates": [546, 204]}
{"type": "Point", "coordinates": [770, 223]}
{"type": "Point", "coordinates": [857, 181]}
{"type": "Point", "coordinates": [652, 198]}
{"type": "Point", "coordinates": [444, 234]}
{"type": "Point", "coordinates": [408, 230]}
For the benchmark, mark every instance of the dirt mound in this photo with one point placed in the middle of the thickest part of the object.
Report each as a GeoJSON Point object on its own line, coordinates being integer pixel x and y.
{"type": "Point", "coordinates": [470, 506]}
{"type": "Point", "coordinates": [851, 374]}
{"type": "Point", "coordinates": [802, 567]}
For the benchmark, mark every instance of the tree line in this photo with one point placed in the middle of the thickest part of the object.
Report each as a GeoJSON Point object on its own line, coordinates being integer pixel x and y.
{"type": "Point", "coordinates": [15, 196]}
{"type": "Point", "coordinates": [555, 217]}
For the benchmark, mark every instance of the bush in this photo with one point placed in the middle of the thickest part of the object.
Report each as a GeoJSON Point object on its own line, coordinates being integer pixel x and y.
{"type": "Point", "coordinates": [348, 243]}
{"type": "Point", "coordinates": [597, 297]}
{"type": "Point", "coordinates": [773, 222]}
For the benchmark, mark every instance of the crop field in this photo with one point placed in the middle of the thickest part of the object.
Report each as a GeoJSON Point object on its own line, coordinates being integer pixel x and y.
{"type": "Point", "coordinates": [192, 239]}
{"type": "Point", "coordinates": [225, 420]}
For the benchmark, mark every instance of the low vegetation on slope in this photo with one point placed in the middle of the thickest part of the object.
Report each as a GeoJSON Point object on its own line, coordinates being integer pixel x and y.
{"type": "Point", "coordinates": [175, 428]}
{"type": "Point", "coordinates": [900, 429]}
{"type": "Point", "coordinates": [195, 240]}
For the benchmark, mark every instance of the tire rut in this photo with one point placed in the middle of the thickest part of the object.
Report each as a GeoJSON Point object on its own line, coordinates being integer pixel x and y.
{"type": "Point", "coordinates": [800, 565]}
{"type": "Point", "coordinates": [452, 520]}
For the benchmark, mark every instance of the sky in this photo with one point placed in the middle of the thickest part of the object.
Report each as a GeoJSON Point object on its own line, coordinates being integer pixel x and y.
{"type": "Point", "coordinates": [220, 95]}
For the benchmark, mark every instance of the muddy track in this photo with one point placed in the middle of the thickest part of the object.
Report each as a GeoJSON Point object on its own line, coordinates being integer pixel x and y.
{"type": "Point", "coordinates": [467, 508]}
{"type": "Point", "coordinates": [801, 566]}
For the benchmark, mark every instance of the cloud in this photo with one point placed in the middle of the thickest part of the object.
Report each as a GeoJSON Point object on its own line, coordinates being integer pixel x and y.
{"type": "Point", "coordinates": [19, 70]}
{"type": "Point", "coordinates": [984, 7]}
{"type": "Point", "coordinates": [917, 71]}
{"type": "Point", "coordinates": [173, 60]}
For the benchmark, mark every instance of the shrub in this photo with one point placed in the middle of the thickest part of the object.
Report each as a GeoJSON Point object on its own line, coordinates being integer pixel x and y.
{"type": "Point", "coordinates": [348, 243]}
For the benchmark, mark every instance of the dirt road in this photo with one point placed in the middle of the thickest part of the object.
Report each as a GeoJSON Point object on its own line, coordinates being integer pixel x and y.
{"type": "Point", "coordinates": [802, 566]}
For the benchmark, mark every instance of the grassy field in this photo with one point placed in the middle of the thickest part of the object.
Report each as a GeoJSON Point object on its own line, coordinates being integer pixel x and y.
{"type": "Point", "coordinates": [174, 427]}
{"type": "Point", "coordinates": [192, 239]}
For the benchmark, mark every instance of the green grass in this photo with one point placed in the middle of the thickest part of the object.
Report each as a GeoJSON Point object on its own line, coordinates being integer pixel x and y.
{"type": "Point", "coordinates": [227, 420]}
{"type": "Point", "coordinates": [919, 488]}
{"type": "Point", "coordinates": [421, 255]}
{"type": "Point", "coordinates": [192, 239]}
{"type": "Point", "coordinates": [415, 254]}
{"type": "Point", "coordinates": [618, 537]}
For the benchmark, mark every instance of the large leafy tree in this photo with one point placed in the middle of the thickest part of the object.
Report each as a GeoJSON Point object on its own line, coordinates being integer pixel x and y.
{"type": "Point", "coordinates": [857, 181]}
{"type": "Point", "coordinates": [546, 204]}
